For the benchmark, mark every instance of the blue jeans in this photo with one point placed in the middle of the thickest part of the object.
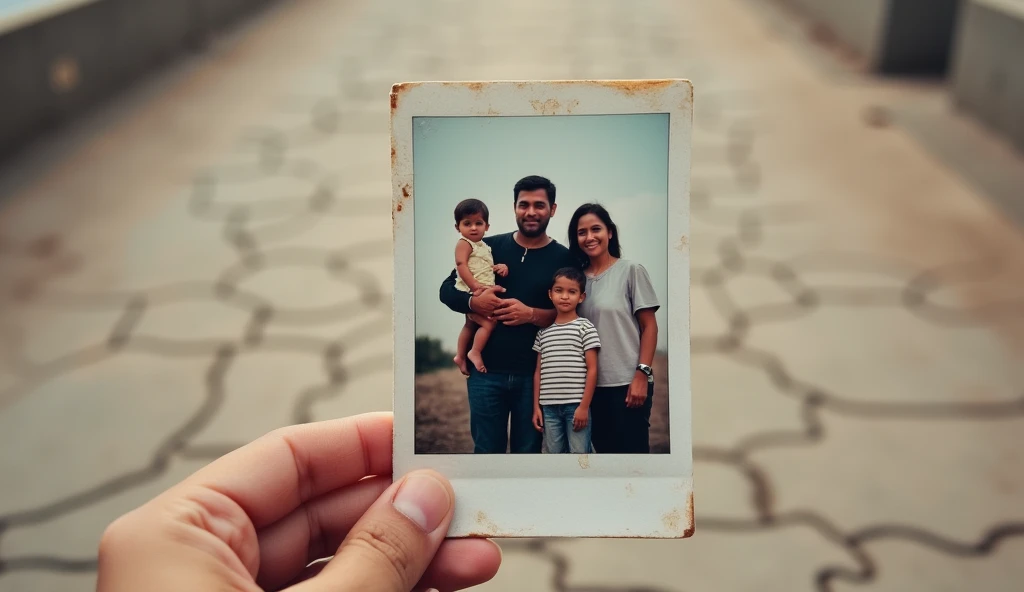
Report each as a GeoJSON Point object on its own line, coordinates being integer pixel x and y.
{"type": "Point", "coordinates": [559, 436]}
{"type": "Point", "coordinates": [494, 399]}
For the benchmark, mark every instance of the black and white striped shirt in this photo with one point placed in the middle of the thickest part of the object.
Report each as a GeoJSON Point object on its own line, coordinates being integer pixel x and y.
{"type": "Point", "coordinates": [563, 361]}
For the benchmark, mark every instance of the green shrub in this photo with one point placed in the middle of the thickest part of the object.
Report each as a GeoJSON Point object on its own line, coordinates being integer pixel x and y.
{"type": "Point", "coordinates": [430, 355]}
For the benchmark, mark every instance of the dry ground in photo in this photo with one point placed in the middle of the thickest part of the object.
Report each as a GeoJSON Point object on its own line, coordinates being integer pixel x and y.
{"type": "Point", "coordinates": [442, 412]}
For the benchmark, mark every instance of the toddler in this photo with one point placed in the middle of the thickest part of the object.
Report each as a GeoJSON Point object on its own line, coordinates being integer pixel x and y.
{"type": "Point", "coordinates": [475, 268]}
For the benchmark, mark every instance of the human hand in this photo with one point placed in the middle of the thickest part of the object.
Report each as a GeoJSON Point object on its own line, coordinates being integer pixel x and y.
{"type": "Point", "coordinates": [538, 418]}
{"type": "Point", "coordinates": [487, 301]}
{"type": "Point", "coordinates": [256, 518]}
{"type": "Point", "coordinates": [580, 418]}
{"type": "Point", "coordinates": [637, 394]}
{"type": "Point", "coordinates": [501, 269]}
{"type": "Point", "coordinates": [512, 312]}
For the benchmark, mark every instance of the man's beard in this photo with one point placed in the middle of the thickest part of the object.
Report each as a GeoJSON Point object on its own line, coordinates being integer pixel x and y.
{"type": "Point", "coordinates": [542, 227]}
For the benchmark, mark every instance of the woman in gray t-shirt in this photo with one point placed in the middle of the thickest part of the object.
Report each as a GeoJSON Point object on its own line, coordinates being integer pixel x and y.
{"type": "Point", "coordinates": [620, 302]}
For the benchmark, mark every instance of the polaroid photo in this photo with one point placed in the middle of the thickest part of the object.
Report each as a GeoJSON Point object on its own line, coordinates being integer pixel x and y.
{"type": "Point", "coordinates": [541, 303]}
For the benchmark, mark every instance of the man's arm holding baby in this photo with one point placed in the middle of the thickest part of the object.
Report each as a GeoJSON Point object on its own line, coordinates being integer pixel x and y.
{"type": "Point", "coordinates": [513, 312]}
{"type": "Point", "coordinates": [465, 302]}
{"type": "Point", "coordinates": [452, 297]}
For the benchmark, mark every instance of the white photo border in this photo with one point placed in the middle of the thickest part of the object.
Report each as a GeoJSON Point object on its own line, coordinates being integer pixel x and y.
{"type": "Point", "coordinates": [600, 495]}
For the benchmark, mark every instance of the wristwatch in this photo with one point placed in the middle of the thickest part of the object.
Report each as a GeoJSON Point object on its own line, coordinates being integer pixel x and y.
{"type": "Point", "coordinates": [646, 370]}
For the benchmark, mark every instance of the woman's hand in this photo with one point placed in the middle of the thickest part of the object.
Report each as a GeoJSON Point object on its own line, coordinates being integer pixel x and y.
{"type": "Point", "coordinates": [637, 394]}
{"type": "Point", "coordinates": [256, 518]}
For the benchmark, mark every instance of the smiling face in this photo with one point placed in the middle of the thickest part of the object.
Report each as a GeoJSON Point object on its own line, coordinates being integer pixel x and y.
{"type": "Point", "coordinates": [472, 227]}
{"type": "Point", "coordinates": [566, 294]}
{"type": "Point", "coordinates": [533, 212]}
{"type": "Point", "coordinates": [592, 235]}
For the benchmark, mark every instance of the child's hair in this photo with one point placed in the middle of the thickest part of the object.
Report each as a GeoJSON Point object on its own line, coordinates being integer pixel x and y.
{"type": "Point", "coordinates": [573, 274]}
{"type": "Point", "coordinates": [468, 207]}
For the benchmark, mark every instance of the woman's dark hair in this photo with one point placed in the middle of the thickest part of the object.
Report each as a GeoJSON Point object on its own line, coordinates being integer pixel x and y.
{"type": "Point", "coordinates": [614, 249]}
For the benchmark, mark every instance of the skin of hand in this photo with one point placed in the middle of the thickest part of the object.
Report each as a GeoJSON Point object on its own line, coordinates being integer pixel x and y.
{"type": "Point", "coordinates": [513, 312]}
{"type": "Point", "coordinates": [580, 418]}
{"type": "Point", "coordinates": [637, 394]}
{"type": "Point", "coordinates": [501, 269]}
{"type": "Point", "coordinates": [256, 518]}
{"type": "Point", "coordinates": [485, 303]}
{"type": "Point", "coordinates": [538, 415]}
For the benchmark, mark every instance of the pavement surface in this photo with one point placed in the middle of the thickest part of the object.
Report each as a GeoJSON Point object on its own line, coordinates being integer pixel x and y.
{"type": "Point", "coordinates": [208, 258]}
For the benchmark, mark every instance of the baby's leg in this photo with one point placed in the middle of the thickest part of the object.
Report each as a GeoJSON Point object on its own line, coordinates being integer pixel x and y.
{"type": "Point", "coordinates": [479, 341]}
{"type": "Point", "coordinates": [465, 336]}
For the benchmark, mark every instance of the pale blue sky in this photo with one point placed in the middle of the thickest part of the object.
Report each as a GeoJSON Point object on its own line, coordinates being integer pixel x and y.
{"type": "Point", "coordinates": [620, 161]}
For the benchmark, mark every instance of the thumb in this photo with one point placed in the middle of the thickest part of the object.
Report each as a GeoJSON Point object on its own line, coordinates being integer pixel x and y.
{"type": "Point", "coordinates": [390, 547]}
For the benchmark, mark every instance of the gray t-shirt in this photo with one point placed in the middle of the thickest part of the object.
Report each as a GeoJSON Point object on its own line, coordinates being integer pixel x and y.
{"type": "Point", "coordinates": [613, 298]}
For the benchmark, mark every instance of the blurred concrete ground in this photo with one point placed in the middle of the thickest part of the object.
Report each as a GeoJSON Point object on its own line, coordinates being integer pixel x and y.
{"type": "Point", "coordinates": [208, 259]}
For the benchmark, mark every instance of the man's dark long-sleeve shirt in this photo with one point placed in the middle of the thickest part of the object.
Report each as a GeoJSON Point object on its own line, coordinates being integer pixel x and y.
{"type": "Point", "coordinates": [509, 349]}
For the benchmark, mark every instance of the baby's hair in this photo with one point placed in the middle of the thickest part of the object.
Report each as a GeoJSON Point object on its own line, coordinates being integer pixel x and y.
{"type": "Point", "coordinates": [573, 274]}
{"type": "Point", "coordinates": [468, 207]}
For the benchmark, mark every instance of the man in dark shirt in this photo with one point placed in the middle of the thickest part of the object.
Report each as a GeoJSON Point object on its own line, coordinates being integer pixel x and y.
{"type": "Point", "coordinates": [521, 306]}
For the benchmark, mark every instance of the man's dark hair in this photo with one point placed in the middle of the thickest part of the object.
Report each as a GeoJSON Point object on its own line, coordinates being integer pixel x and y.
{"type": "Point", "coordinates": [614, 248]}
{"type": "Point", "coordinates": [574, 274]}
{"type": "Point", "coordinates": [468, 207]}
{"type": "Point", "coordinates": [533, 183]}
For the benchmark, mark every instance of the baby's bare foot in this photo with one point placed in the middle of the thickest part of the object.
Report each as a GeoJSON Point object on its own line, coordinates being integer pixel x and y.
{"type": "Point", "coordinates": [461, 363]}
{"type": "Point", "coordinates": [478, 360]}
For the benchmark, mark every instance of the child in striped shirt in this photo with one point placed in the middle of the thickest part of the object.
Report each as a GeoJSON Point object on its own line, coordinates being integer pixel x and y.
{"type": "Point", "coordinates": [566, 374]}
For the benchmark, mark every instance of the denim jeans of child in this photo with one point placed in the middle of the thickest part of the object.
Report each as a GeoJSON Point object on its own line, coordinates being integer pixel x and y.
{"type": "Point", "coordinates": [559, 436]}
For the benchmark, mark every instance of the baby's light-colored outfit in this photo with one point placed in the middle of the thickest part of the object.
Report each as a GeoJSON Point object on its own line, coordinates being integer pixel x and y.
{"type": "Point", "coordinates": [481, 265]}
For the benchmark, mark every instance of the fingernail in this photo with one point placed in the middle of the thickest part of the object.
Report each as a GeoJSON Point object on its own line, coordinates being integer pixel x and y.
{"type": "Point", "coordinates": [424, 500]}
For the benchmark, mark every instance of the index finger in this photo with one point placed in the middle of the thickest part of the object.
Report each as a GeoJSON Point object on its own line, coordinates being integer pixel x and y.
{"type": "Point", "coordinates": [282, 470]}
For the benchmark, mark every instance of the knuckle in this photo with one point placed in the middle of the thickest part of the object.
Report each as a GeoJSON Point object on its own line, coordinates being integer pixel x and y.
{"type": "Point", "coordinates": [115, 536]}
{"type": "Point", "coordinates": [389, 544]}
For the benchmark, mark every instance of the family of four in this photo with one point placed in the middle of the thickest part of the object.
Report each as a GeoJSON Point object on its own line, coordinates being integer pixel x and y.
{"type": "Point", "coordinates": [558, 342]}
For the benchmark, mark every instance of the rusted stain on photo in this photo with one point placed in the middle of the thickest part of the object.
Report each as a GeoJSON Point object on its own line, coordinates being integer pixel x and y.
{"type": "Point", "coordinates": [405, 191]}
{"type": "Point", "coordinates": [548, 107]}
{"type": "Point", "coordinates": [553, 107]}
{"type": "Point", "coordinates": [635, 87]}
{"type": "Point", "coordinates": [629, 87]}
{"type": "Point", "coordinates": [399, 88]}
{"type": "Point", "coordinates": [683, 243]}
{"type": "Point", "coordinates": [689, 517]}
{"type": "Point", "coordinates": [678, 522]}
{"type": "Point", "coordinates": [671, 520]}
{"type": "Point", "coordinates": [488, 527]}
{"type": "Point", "coordinates": [584, 461]}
